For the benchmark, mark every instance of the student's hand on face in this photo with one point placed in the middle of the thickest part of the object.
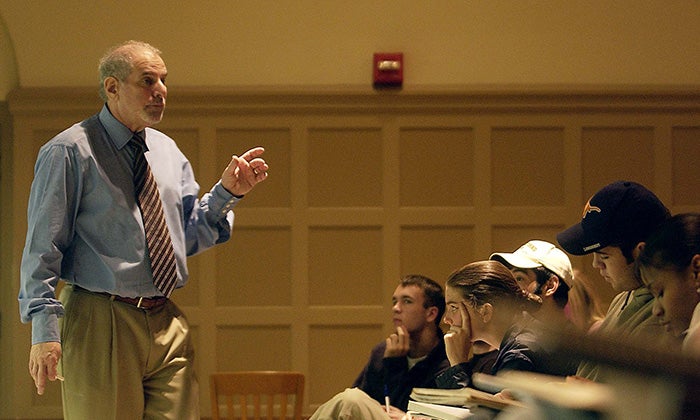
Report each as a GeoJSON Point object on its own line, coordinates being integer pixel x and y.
{"type": "Point", "coordinates": [458, 340]}
{"type": "Point", "coordinates": [397, 344]}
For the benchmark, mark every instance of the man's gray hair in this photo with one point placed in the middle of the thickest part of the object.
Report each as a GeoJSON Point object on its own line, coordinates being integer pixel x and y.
{"type": "Point", "coordinates": [118, 62]}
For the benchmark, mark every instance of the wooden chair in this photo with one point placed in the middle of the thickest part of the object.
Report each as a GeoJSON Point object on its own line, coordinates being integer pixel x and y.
{"type": "Point", "coordinates": [268, 394]}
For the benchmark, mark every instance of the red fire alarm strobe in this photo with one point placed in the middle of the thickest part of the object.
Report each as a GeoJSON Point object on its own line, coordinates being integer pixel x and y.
{"type": "Point", "coordinates": [388, 70]}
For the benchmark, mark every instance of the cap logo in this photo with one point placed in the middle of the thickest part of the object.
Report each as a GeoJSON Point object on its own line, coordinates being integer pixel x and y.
{"type": "Point", "coordinates": [590, 247]}
{"type": "Point", "coordinates": [589, 209]}
{"type": "Point", "coordinates": [532, 247]}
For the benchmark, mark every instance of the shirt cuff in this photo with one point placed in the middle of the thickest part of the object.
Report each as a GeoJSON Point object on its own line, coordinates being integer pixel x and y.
{"type": "Point", "coordinates": [221, 200]}
{"type": "Point", "coordinates": [45, 328]}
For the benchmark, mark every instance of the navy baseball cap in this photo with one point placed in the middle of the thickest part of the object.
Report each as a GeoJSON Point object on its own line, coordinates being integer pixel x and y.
{"type": "Point", "coordinates": [623, 211]}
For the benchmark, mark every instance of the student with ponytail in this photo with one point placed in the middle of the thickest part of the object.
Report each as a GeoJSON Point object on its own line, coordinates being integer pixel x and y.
{"type": "Point", "coordinates": [486, 308]}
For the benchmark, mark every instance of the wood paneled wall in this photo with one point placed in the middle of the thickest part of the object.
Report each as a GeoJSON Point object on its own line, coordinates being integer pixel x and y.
{"type": "Point", "coordinates": [364, 187]}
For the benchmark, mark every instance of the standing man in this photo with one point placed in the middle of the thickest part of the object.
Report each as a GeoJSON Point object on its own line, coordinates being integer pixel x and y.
{"type": "Point", "coordinates": [114, 211]}
{"type": "Point", "coordinates": [615, 224]}
{"type": "Point", "coordinates": [411, 357]}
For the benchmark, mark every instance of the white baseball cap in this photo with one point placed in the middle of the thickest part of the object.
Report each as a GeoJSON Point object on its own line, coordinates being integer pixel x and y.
{"type": "Point", "coordinates": [539, 254]}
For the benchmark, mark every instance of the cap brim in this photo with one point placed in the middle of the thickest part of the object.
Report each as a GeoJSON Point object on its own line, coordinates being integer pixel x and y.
{"type": "Point", "coordinates": [574, 240]}
{"type": "Point", "coordinates": [515, 260]}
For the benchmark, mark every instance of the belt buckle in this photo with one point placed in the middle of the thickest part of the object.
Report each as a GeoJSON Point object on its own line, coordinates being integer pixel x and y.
{"type": "Point", "coordinates": [138, 304]}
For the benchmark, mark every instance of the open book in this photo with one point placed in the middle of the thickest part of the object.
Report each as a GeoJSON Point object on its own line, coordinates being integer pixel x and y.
{"type": "Point", "coordinates": [463, 397]}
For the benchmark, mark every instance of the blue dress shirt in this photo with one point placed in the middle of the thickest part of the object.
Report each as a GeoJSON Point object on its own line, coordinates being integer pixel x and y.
{"type": "Point", "coordinates": [85, 227]}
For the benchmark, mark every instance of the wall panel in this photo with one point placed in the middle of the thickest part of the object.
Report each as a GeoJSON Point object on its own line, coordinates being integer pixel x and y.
{"type": "Point", "coordinates": [276, 191]}
{"type": "Point", "coordinates": [345, 167]}
{"type": "Point", "coordinates": [617, 153]}
{"type": "Point", "coordinates": [527, 166]}
{"type": "Point", "coordinates": [335, 359]}
{"type": "Point", "coordinates": [240, 279]}
{"type": "Point", "coordinates": [435, 251]}
{"type": "Point", "coordinates": [686, 180]}
{"type": "Point", "coordinates": [436, 166]}
{"type": "Point", "coordinates": [365, 188]}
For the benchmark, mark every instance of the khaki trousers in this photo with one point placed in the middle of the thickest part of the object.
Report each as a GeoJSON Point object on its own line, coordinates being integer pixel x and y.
{"type": "Point", "coordinates": [122, 362]}
{"type": "Point", "coordinates": [351, 404]}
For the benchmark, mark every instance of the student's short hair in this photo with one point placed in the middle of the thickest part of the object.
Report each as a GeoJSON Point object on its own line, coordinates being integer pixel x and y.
{"type": "Point", "coordinates": [561, 295]}
{"type": "Point", "coordinates": [432, 293]}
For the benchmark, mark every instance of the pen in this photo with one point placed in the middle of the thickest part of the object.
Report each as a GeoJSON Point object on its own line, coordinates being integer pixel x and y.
{"type": "Point", "coordinates": [387, 403]}
{"type": "Point", "coordinates": [59, 377]}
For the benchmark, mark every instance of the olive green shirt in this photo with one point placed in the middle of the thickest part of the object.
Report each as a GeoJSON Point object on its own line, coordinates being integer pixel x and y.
{"type": "Point", "coordinates": [630, 315]}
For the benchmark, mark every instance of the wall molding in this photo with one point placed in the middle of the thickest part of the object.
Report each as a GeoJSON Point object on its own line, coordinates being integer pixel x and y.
{"type": "Point", "coordinates": [446, 99]}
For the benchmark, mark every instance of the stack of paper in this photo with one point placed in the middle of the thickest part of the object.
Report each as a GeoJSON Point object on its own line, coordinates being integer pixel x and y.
{"type": "Point", "coordinates": [463, 397]}
{"type": "Point", "coordinates": [436, 411]}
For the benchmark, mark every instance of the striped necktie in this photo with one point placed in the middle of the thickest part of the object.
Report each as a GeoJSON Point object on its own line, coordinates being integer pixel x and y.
{"type": "Point", "coordinates": [160, 246]}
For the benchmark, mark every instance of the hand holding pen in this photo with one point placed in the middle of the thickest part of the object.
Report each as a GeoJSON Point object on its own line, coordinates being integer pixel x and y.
{"type": "Point", "coordinates": [387, 401]}
{"type": "Point", "coordinates": [393, 412]}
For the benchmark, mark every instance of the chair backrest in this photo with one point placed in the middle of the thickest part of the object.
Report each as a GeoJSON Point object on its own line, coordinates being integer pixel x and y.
{"type": "Point", "coordinates": [257, 395]}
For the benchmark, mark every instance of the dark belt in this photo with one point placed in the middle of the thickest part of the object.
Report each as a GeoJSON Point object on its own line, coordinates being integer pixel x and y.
{"type": "Point", "coordinates": [139, 302]}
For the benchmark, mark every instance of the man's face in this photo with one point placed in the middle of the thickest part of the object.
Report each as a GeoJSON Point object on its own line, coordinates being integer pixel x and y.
{"type": "Point", "coordinates": [526, 278]}
{"type": "Point", "coordinates": [139, 101]}
{"type": "Point", "coordinates": [615, 269]}
{"type": "Point", "coordinates": [408, 310]}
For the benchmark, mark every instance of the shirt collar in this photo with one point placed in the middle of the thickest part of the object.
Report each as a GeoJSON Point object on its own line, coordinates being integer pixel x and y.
{"type": "Point", "coordinates": [118, 132]}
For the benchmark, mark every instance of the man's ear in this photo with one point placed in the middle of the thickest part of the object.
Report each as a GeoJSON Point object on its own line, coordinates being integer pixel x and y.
{"type": "Point", "coordinates": [550, 286]}
{"type": "Point", "coordinates": [486, 312]}
{"type": "Point", "coordinates": [111, 86]}
{"type": "Point", "coordinates": [695, 266]}
{"type": "Point", "coordinates": [695, 269]}
{"type": "Point", "coordinates": [638, 250]}
{"type": "Point", "coordinates": [431, 313]}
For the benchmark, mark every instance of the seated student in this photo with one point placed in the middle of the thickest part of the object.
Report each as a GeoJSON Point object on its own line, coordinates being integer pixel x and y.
{"type": "Point", "coordinates": [615, 224]}
{"type": "Point", "coordinates": [411, 357]}
{"type": "Point", "coordinates": [485, 303]}
{"type": "Point", "coordinates": [544, 270]}
{"type": "Point", "coordinates": [669, 265]}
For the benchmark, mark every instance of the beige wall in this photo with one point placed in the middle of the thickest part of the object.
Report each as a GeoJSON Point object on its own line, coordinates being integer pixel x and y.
{"type": "Point", "coordinates": [358, 195]}
{"type": "Point", "coordinates": [317, 42]}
